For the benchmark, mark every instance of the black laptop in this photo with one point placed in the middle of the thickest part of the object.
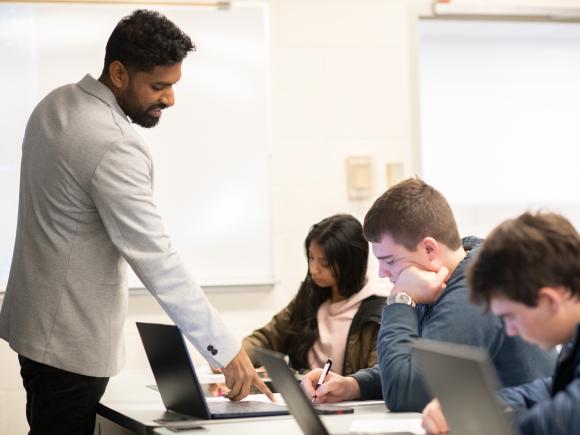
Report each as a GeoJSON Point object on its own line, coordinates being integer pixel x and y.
{"type": "Point", "coordinates": [464, 381]}
{"type": "Point", "coordinates": [178, 384]}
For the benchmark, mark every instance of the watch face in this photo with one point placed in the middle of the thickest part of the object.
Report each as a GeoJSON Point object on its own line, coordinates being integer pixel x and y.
{"type": "Point", "coordinates": [401, 298]}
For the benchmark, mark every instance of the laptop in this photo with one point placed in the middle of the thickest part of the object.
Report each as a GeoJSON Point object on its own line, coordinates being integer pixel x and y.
{"type": "Point", "coordinates": [178, 384]}
{"type": "Point", "coordinates": [464, 381]}
{"type": "Point", "coordinates": [300, 406]}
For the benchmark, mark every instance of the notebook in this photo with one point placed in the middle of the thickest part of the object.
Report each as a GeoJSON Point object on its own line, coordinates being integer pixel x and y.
{"type": "Point", "coordinates": [300, 406]}
{"type": "Point", "coordinates": [178, 384]}
{"type": "Point", "coordinates": [464, 381]}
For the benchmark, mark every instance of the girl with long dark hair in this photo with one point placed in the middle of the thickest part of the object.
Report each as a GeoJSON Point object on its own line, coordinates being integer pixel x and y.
{"type": "Point", "coordinates": [335, 313]}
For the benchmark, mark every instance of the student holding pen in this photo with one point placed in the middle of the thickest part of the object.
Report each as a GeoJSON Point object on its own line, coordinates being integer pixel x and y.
{"type": "Point", "coordinates": [336, 312]}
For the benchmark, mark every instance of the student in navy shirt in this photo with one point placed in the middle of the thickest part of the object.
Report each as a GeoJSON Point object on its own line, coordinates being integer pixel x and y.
{"type": "Point", "coordinates": [528, 274]}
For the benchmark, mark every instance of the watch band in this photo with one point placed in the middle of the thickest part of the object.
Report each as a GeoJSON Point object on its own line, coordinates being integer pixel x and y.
{"type": "Point", "coordinates": [401, 298]}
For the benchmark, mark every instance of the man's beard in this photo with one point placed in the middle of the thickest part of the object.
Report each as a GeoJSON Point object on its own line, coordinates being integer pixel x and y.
{"type": "Point", "coordinates": [138, 116]}
{"type": "Point", "coordinates": [143, 118]}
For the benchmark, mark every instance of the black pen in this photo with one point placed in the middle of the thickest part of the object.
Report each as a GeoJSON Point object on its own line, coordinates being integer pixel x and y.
{"type": "Point", "coordinates": [325, 370]}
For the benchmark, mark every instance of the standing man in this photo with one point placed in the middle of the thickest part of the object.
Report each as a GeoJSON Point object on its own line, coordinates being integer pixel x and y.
{"type": "Point", "coordinates": [415, 238]}
{"type": "Point", "coordinates": [85, 207]}
{"type": "Point", "coordinates": [528, 274]}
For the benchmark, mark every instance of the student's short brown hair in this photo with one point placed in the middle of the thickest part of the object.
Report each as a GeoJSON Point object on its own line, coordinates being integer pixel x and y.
{"type": "Point", "coordinates": [523, 255]}
{"type": "Point", "coordinates": [409, 212]}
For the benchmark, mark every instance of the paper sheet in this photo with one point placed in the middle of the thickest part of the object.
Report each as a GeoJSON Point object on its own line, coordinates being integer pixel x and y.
{"type": "Point", "coordinates": [387, 425]}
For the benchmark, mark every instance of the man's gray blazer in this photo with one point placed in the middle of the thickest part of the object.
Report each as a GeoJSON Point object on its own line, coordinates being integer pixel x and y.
{"type": "Point", "coordinates": [85, 207]}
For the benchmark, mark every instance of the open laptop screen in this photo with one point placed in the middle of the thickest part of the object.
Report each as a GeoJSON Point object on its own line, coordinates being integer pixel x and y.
{"type": "Point", "coordinates": [464, 381]}
{"type": "Point", "coordinates": [178, 383]}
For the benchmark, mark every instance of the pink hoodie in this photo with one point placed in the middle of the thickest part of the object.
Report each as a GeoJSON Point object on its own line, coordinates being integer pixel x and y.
{"type": "Point", "coordinates": [334, 321]}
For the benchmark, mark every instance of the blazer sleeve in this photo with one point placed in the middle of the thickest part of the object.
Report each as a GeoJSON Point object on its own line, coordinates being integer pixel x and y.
{"type": "Point", "coordinates": [122, 190]}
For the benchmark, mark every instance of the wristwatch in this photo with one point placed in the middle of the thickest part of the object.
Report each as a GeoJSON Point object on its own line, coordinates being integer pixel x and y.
{"type": "Point", "coordinates": [401, 298]}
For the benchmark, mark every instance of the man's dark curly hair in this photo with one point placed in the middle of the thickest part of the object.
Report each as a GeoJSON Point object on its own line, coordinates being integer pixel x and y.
{"type": "Point", "coordinates": [524, 254]}
{"type": "Point", "coordinates": [146, 39]}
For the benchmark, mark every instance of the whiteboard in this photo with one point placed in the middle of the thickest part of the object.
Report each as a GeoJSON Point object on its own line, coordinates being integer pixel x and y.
{"type": "Point", "coordinates": [499, 117]}
{"type": "Point", "coordinates": [211, 151]}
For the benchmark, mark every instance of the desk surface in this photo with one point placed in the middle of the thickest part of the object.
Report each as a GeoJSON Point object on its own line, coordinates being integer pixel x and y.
{"type": "Point", "coordinates": [129, 404]}
{"type": "Point", "coordinates": [335, 424]}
